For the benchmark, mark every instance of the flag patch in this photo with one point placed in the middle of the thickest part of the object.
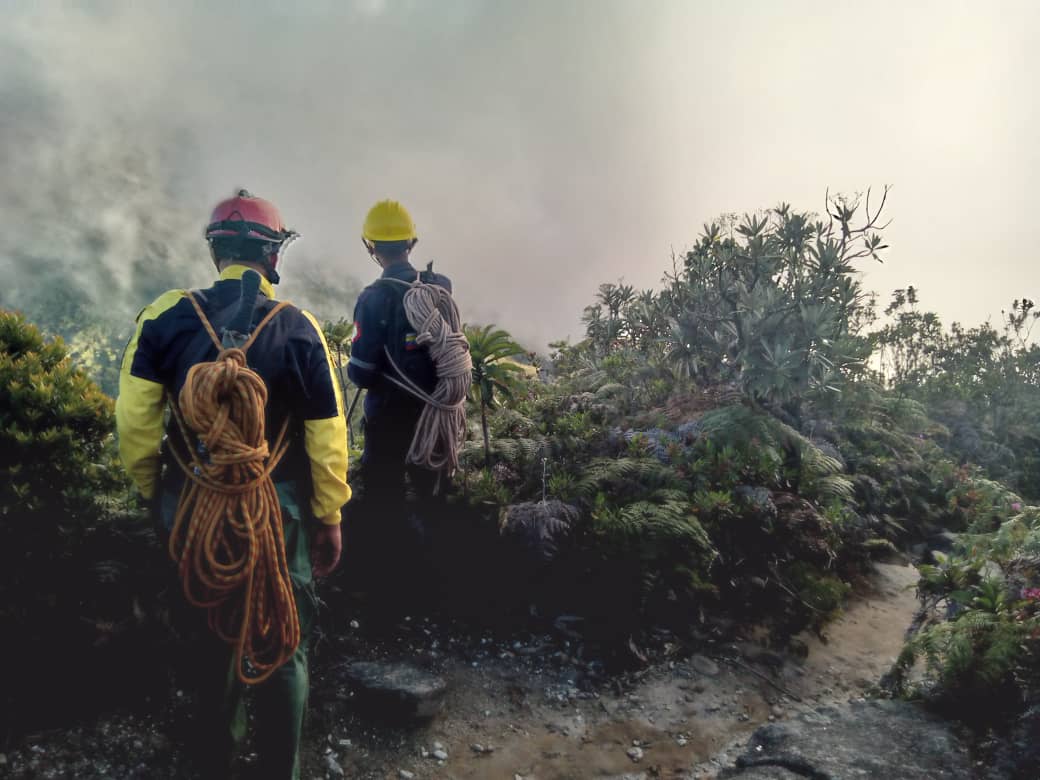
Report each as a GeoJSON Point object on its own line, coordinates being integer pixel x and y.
{"type": "Point", "coordinates": [409, 342]}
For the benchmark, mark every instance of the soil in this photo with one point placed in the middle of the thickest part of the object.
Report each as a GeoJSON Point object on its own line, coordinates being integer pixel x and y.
{"type": "Point", "coordinates": [531, 707]}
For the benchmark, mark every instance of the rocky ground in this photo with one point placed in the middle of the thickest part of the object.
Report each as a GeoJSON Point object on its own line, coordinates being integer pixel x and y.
{"type": "Point", "coordinates": [533, 708]}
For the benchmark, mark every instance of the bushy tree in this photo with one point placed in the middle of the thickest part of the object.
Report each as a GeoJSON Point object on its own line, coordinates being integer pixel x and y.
{"type": "Point", "coordinates": [54, 425]}
{"type": "Point", "coordinates": [769, 303]}
{"type": "Point", "coordinates": [55, 472]}
{"type": "Point", "coordinates": [772, 304]}
{"type": "Point", "coordinates": [982, 383]}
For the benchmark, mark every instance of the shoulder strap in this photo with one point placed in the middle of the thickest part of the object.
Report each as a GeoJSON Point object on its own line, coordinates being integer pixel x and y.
{"type": "Point", "coordinates": [260, 325]}
{"type": "Point", "coordinates": [399, 282]}
{"type": "Point", "coordinates": [252, 336]}
{"type": "Point", "coordinates": [205, 321]}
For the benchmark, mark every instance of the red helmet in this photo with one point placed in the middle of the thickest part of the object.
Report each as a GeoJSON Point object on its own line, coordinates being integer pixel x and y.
{"type": "Point", "coordinates": [246, 216]}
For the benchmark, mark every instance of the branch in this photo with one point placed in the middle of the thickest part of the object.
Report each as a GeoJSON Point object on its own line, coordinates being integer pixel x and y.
{"type": "Point", "coordinates": [872, 220]}
{"type": "Point", "coordinates": [759, 675]}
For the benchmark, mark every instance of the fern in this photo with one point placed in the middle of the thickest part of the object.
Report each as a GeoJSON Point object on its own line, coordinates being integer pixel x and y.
{"type": "Point", "coordinates": [516, 453]}
{"type": "Point", "coordinates": [669, 522]}
{"type": "Point", "coordinates": [611, 390]}
{"type": "Point", "coordinates": [656, 542]}
{"type": "Point", "coordinates": [821, 476]}
{"type": "Point", "coordinates": [623, 475]}
{"type": "Point", "coordinates": [834, 487]}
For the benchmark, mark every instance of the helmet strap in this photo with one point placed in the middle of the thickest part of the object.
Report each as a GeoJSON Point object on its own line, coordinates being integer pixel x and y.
{"type": "Point", "coordinates": [371, 249]}
{"type": "Point", "coordinates": [272, 275]}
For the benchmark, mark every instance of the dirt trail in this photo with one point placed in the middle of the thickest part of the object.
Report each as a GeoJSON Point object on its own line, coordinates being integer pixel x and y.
{"type": "Point", "coordinates": [680, 720]}
{"type": "Point", "coordinates": [526, 702]}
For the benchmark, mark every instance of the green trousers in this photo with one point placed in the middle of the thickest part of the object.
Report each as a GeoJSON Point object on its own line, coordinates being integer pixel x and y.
{"type": "Point", "coordinates": [279, 703]}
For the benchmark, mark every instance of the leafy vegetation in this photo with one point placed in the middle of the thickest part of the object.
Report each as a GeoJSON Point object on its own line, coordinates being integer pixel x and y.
{"type": "Point", "coordinates": [493, 373]}
{"type": "Point", "coordinates": [57, 472]}
{"type": "Point", "coordinates": [978, 631]}
{"type": "Point", "coordinates": [745, 438]}
{"type": "Point", "coordinates": [740, 442]}
{"type": "Point", "coordinates": [982, 384]}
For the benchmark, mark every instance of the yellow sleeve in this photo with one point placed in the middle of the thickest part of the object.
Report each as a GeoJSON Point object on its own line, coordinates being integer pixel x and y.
{"type": "Point", "coordinates": [326, 444]}
{"type": "Point", "coordinates": [139, 407]}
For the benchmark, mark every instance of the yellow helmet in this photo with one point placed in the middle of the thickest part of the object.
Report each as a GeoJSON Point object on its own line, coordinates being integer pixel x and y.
{"type": "Point", "coordinates": [388, 220]}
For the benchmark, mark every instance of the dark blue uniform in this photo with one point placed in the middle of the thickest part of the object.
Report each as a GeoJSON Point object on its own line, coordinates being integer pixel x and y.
{"type": "Point", "coordinates": [391, 414]}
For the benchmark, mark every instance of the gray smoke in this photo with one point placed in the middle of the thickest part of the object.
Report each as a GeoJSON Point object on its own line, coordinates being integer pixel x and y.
{"type": "Point", "coordinates": [123, 124]}
{"type": "Point", "coordinates": [543, 147]}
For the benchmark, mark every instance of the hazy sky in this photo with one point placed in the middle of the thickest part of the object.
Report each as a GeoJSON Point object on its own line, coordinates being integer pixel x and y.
{"type": "Point", "coordinates": [542, 147]}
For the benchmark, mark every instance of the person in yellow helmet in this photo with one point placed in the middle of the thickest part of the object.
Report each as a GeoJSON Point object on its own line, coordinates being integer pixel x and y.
{"type": "Point", "coordinates": [383, 333]}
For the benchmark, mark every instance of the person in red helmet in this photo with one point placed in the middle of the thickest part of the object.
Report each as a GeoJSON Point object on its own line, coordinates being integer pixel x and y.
{"type": "Point", "coordinates": [289, 353]}
{"type": "Point", "coordinates": [248, 229]}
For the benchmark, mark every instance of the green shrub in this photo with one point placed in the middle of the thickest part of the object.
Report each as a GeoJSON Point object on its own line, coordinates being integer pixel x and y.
{"type": "Point", "coordinates": [979, 504]}
{"type": "Point", "coordinates": [55, 424]}
{"type": "Point", "coordinates": [978, 639]}
{"type": "Point", "coordinates": [55, 470]}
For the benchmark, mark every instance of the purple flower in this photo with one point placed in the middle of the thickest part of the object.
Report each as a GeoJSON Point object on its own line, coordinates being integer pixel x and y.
{"type": "Point", "coordinates": [1031, 593]}
{"type": "Point", "coordinates": [1016, 507]}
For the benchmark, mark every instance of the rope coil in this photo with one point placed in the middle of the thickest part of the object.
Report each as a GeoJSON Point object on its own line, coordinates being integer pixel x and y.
{"type": "Point", "coordinates": [227, 537]}
{"type": "Point", "coordinates": [441, 429]}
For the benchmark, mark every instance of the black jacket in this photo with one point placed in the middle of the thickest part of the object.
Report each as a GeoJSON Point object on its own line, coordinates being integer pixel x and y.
{"type": "Point", "coordinates": [380, 326]}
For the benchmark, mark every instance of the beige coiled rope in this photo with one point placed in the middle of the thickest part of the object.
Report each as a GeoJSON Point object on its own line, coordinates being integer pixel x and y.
{"type": "Point", "coordinates": [227, 535]}
{"type": "Point", "coordinates": [441, 429]}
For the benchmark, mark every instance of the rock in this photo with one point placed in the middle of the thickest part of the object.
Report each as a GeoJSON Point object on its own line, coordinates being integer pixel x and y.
{"type": "Point", "coordinates": [1019, 755]}
{"type": "Point", "coordinates": [440, 755]}
{"type": "Point", "coordinates": [891, 739]}
{"type": "Point", "coordinates": [404, 774]}
{"type": "Point", "coordinates": [635, 753]}
{"type": "Point", "coordinates": [799, 649]}
{"type": "Point", "coordinates": [942, 542]}
{"type": "Point", "coordinates": [704, 665]}
{"type": "Point", "coordinates": [768, 773]}
{"type": "Point", "coordinates": [396, 691]}
{"type": "Point", "coordinates": [757, 498]}
{"type": "Point", "coordinates": [332, 766]}
{"type": "Point", "coordinates": [565, 624]}
{"type": "Point", "coordinates": [482, 750]}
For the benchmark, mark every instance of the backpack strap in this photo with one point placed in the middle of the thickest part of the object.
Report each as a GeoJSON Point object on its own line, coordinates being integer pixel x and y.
{"type": "Point", "coordinates": [260, 325]}
{"type": "Point", "coordinates": [252, 336]}
{"type": "Point", "coordinates": [192, 470]}
{"type": "Point", "coordinates": [205, 321]}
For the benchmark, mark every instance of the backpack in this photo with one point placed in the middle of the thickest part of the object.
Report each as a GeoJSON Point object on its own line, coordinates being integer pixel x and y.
{"type": "Point", "coordinates": [412, 358]}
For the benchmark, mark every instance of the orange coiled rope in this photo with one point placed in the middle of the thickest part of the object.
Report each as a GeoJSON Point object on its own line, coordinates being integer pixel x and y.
{"type": "Point", "coordinates": [227, 535]}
